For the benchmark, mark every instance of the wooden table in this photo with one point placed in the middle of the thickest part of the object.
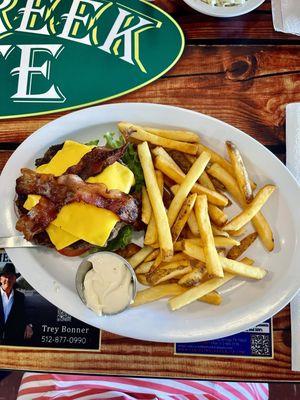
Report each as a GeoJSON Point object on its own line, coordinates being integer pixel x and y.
{"type": "Point", "coordinates": [243, 72]}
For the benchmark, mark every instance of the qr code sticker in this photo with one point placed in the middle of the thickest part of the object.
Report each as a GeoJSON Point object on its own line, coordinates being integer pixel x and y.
{"type": "Point", "coordinates": [260, 345]}
{"type": "Point", "coordinates": [63, 316]}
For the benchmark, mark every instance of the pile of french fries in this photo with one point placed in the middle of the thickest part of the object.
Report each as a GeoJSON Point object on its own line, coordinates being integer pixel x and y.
{"type": "Point", "coordinates": [191, 248]}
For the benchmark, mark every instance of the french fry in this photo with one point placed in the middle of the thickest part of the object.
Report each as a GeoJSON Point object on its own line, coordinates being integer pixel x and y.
{"type": "Point", "coordinates": [157, 262]}
{"type": "Point", "coordinates": [154, 245]}
{"type": "Point", "coordinates": [241, 269]}
{"type": "Point", "coordinates": [178, 246]}
{"type": "Point", "coordinates": [138, 133]}
{"type": "Point", "coordinates": [144, 268]}
{"type": "Point", "coordinates": [212, 196]}
{"type": "Point", "coordinates": [197, 292]}
{"type": "Point", "coordinates": [192, 223]}
{"type": "Point", "coordinates": [169, 272]}
{"type": "Point", "coordinates": [146, 207]}
{"type": "Point", "coordinates": [205, 180]}
{"type": "Point", "coordinates": [186, 185]}
{"type": "Point", "coordinates": [142, 279]}
{"type": "Point", "coordinates": [220, 241]}
{"type": "Point", "coordinates": [174, 189]}
{"type": "Point", "coordinates": [212, 261]}
{"type": "Point", "coordinates": [231, 266]}
{"type": "Point", "coordinates": [240, 171]}
{"type": "Point", "coordinates": [259, 222]}
{"type": "Point", "coordinates": [216, 158]}
{"type": "Point", "coordinates": [181, 136]}
{"type": "Point", "coordinates": [264, 231]}
{"type": "Point", "coordinates": [158, 292]}
{"type": "Point", "coordinates": [177, 257]}
{"type": "Point", "coordinates": [227, 180]}
{"type": "Point", "coordinates": [223, 241]}
{"type": "Point", "coordinates": [140, 256]}
{"type": "Point", "coordinates": [158, 208]}
{"type": "Point", "coordinates": [236, 251]}
{"type": "Point", "coordinates": [152, 256]}
{"type": "Point", "coordinates": [192, 278]}
{"type": "Point", "coordinates": [183, 216]}
{"type": "Point", "coordinates": [239, 232]}
{"type": "Point", "coordinates": [247, 260]}
{"type": "Point", "coordinates": [151, 232]}
{"type": "Point", "coordinates": [159, 151]}
{"type": "Point", "coordinates": [211, 298]}
{"type": "Point", "coordinates": [251, 210]}
{"type": "Point", "coordinates": [218, 232]}
{"type": "Point", "coordinates": [185, 262]}
{"type": "Point", "coordinates": [217, 216]}
{"type": "Point", "coordinates": [160, 181]}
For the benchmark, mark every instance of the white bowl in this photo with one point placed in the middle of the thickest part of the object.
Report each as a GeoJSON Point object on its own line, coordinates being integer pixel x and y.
{"type": "Point", "coordinates": [224, 12]}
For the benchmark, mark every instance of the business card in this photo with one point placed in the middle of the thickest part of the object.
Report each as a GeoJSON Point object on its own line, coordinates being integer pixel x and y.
{"type": "Point", "coordinates": [29, 320]}
{"type": "Point", "coordinates": [256, 343]}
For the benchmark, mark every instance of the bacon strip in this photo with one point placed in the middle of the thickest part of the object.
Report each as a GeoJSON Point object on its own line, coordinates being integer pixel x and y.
{"type": "Point", "coordinates": [37, 219]}
{"type": "Point", "coordinates": [94, 162]}
{"type": "Point", "coordinates": [66, 189]}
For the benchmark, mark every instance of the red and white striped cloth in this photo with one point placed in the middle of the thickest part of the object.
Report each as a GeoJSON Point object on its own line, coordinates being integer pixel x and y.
{"type": "Point", "coordinates": [83, 387]}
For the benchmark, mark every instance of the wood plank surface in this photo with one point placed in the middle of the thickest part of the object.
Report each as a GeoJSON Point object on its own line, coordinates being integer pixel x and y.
{"type": "Point", "coordinates": [241, 71]}
{"type": "Point", "coordinates": [246, 86]}
{"type": "Point", "coordinates": [123, 356]}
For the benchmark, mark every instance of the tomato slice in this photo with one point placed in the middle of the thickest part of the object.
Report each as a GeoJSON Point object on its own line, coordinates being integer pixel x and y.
{"type": "Point", "coordinates": [74, 252]}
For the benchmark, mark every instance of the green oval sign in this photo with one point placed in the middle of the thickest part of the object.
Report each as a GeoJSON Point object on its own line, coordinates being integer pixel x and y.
{"type": "Point", "coordinates": [61, 54]}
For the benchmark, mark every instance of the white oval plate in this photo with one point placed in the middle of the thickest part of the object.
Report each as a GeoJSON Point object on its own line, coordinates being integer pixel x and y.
{"type": "Point", "coordinates": [224, 12]}
{"type": "Point", "coordinates": [245, 304]}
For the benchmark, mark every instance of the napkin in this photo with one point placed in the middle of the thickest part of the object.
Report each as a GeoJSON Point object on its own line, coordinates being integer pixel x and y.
{"type": "Point", "coordinates": [293, 164]}
{"type": "Point", "coordinates": [286, 16]}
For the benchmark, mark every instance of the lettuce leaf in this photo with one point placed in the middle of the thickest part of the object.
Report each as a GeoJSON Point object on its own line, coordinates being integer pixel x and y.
{"type": "Point", "coordinates": [122, 240]}
{"type": "Point", "coordinates": [131, 159]}
{"type": "Point", "coordinates": [92, 143]}
{"type": "Point", "coordinates": [112, 142]}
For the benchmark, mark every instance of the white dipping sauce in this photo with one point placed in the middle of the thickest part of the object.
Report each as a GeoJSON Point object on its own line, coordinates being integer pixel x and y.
{"type": "Point", "coordinates": [108, 286]}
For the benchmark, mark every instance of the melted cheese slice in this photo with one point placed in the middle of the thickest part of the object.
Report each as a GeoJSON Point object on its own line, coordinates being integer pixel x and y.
{"type": "Point", "coordinates": [78, 220]}
{"type": "Point", "coordinates": [71, 153]}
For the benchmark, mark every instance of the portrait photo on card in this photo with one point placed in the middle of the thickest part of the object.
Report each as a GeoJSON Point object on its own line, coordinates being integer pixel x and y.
{"type": "Point", "coordinates": [28, 320]}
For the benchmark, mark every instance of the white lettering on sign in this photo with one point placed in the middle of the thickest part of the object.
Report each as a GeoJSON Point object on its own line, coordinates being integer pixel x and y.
{"type": "Point", "coordinates": [73, 20]}
{"type": "Point", "coordinates": [30, 13]}
{"type": "Point", "coordinates": [5, 6]}
{"type": "Point", "coordinates": [118, 34]}
{"type": "Point", "coordinates": [28, 71]}
{"type": "Point", "coordinates": [82, 23]}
